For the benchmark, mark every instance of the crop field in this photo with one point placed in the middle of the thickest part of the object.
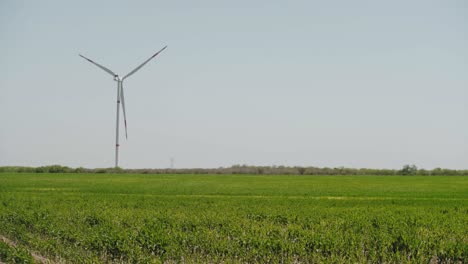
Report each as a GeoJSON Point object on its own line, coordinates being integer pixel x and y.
{"type": "Point", "coordinates": [138, 218]}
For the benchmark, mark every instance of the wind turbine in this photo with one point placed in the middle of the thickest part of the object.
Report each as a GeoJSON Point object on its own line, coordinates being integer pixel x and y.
{"type": "Point", "coordinates": [120, 96]}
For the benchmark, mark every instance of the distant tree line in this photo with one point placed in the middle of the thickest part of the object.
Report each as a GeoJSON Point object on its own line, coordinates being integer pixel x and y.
{"type": "Point", "coordinates": [243, 169]}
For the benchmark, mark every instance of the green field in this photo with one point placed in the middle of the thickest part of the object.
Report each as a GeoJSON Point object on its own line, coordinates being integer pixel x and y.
{"type": "Point", "coordinates": [235, 218]}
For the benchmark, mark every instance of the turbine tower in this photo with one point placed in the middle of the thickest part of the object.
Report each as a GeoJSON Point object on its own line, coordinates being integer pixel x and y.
{"type": "Point", "coordinates": [120, 97]}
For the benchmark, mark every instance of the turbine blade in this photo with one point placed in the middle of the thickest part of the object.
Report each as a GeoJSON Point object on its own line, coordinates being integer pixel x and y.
{"type": "Point", "coordinates": [143, 64]}
{"type": "Point", "coordinates": [100, 66]}
{"type": "Point", "coordinates": [122, 98]}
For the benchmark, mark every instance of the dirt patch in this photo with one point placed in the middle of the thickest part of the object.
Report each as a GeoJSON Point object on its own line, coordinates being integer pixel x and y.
{"type": "Point", "coordinates": [37, 258]}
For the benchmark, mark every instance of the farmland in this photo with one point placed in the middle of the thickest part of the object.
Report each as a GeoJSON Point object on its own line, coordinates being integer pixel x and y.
{"type": "Point", "coordinates": [234, 218]}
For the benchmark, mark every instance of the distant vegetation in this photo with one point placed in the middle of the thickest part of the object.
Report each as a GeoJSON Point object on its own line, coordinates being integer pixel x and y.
{"type": "Point", "coordinates": [244, 169]}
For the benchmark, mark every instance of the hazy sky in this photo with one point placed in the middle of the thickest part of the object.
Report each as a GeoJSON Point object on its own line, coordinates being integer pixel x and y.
{"type": "Point", "coordinates": [316, 83]}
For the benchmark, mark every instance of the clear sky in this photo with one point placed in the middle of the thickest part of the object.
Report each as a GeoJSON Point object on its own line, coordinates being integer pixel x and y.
{"type": "Point", "coordinates": [312, 83]}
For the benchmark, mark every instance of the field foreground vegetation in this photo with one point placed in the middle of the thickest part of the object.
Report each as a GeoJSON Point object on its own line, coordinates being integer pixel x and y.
{"type": "Point", "coordinates": [140, 218]}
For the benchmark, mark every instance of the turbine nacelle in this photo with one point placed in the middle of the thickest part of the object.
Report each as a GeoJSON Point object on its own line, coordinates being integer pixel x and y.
{"type": "Point", "coordinates": [117, 78]}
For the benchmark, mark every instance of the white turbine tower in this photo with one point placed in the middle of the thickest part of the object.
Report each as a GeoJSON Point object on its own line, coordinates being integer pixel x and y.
{"type": "Point", "coordinates": [120, 97]}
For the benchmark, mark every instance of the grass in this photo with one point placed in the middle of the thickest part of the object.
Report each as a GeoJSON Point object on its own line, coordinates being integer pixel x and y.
{"type": "Point", "coordinates": [12, 254]}
{"type": "Point", "coordinates": [237, 218]}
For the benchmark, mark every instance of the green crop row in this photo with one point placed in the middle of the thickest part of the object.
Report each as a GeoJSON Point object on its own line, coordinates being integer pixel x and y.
{"type": "Point", "coordinates": [11, 254]}
{"type": "Point", "coordinates": [269, 219]}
